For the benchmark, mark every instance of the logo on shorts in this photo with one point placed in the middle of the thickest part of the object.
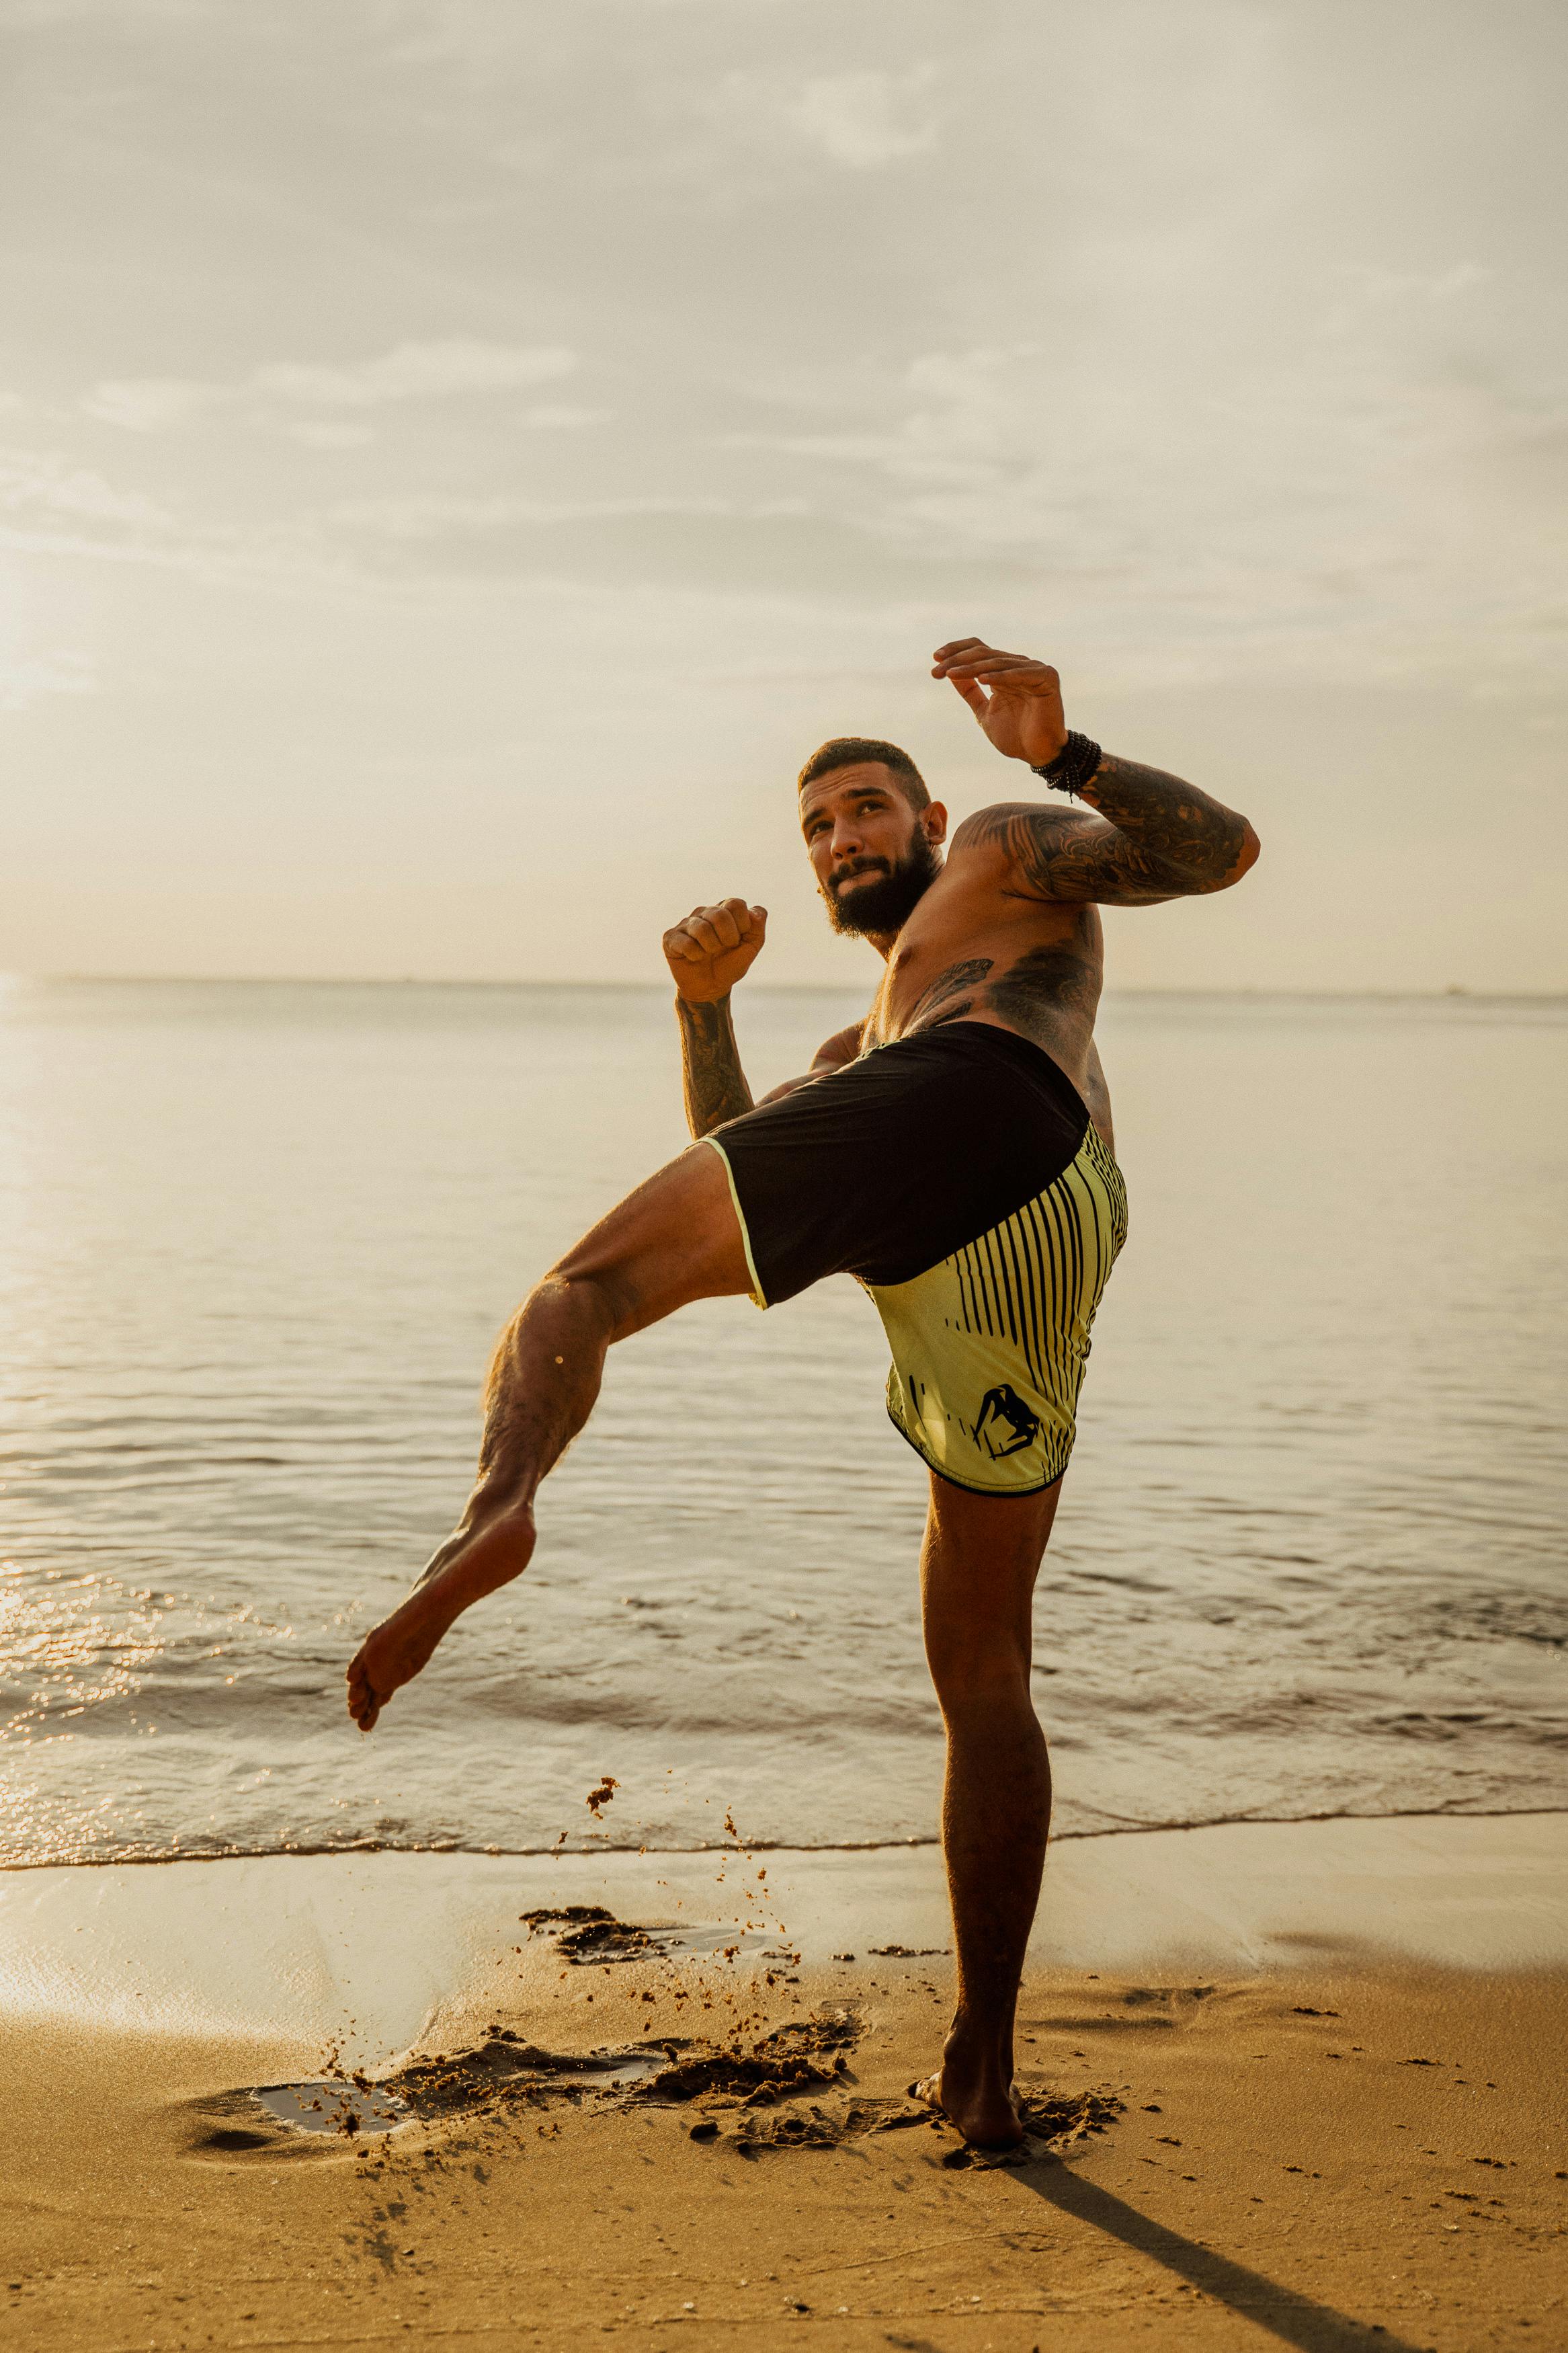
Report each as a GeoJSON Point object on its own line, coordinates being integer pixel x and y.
{"type": "Point", "coordinates": [1005, 1423]}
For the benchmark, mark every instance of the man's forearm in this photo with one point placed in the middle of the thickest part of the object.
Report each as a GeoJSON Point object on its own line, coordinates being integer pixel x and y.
{"type": "Point", "coordinates": [1200, 840]}
{"type": "Point", "coordinates": [714, 1082]}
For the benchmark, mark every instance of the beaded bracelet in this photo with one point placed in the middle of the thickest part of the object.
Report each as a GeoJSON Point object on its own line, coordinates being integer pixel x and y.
{"type": "Point", "coordinates": [1073, 766]}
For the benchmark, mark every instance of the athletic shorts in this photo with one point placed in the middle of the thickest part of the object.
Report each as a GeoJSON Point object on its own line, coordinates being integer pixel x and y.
{"type": "Point", "coordinates": [957, 1176]}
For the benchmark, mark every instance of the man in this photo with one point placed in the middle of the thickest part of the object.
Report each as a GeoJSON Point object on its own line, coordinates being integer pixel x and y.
{"type": "Point", "coordinates": [954, 1153]}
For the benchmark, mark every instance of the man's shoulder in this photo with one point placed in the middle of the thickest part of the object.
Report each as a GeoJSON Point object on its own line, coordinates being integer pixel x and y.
{"type": "Point", "coordinates": [1000, 828]}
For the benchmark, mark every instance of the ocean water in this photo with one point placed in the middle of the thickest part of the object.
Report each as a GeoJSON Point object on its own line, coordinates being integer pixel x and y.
{"type": "Point", "coordinates": [255, 1240]}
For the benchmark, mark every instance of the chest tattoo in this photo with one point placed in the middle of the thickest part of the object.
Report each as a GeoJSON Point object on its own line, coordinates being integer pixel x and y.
{"type": "Point", "coordinates": [951, 983]}
{"type": "Point", "coordinates": [1047, 980]}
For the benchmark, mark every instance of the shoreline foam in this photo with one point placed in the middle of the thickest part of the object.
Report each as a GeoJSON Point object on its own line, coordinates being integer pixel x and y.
{"type": "Point", "coordinates": [590, 1847]}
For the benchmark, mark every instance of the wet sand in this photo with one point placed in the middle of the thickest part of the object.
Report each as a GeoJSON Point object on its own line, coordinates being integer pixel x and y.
{"type": "Point", "coordinates": [1346, 2129]}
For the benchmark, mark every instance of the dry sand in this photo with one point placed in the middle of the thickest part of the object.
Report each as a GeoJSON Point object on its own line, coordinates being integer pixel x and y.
{"type": "Point", "coordinates": [1332, 2120]}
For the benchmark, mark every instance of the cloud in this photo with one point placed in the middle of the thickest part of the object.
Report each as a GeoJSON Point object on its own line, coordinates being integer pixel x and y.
{"type": "Point", "coordinates": [147, 404]}
{"type": "Point", "coordinates": [337, 433]}
{"type": "Point", "coordinates": [855, 117]}
{"type": "Point", "coordinates": [1350, 508]}
{"type": "Point", "coordinates": [32, 678]}
{"type": "Point", "coordinates": [422, 516]}
{"type": "Point", "coordinates": [416, 371]}
{"type": "Point", "coordinates": [48, 485]}
{"type": "Point", "coordinates": [559, 417]}
{"type": "Point", "coordinates": [965, 415]}
{"type": "Point", "coordinates": [322, 433]}
{"type": "Point", "coordinates": [444, 370]}
{"type": "Point", "coordinates": [861, 121]}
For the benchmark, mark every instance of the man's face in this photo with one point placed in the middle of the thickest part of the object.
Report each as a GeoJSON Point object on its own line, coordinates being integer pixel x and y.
{"type": "Point", "coordinates": [874, 856]}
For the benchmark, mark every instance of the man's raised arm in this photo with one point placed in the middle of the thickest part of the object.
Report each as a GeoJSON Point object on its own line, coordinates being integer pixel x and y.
{"type": "Point", "coordinates": [1156, 836]}
{"type": "Point", "coordinates": [707, 955]}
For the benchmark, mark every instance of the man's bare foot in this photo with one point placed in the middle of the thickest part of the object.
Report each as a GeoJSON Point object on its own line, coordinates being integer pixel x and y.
{"type": "Point", "coordinates": [467, 1566]}
{"type": "Point", "coordinates": [981, 2105]}
{"type": "Point", "coordinates": [392, 1654]}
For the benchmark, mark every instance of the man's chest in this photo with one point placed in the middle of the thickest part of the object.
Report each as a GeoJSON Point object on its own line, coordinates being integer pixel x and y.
{"type": "Point", "coordinates": [963, 937]}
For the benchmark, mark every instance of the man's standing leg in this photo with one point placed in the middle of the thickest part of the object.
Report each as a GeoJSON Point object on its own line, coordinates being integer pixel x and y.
{"type": "Point", "coordinates": [978, 1565]}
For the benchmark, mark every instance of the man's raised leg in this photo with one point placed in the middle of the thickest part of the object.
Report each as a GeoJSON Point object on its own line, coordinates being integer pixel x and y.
{"type": "Point", "coordinates": [675, 1238]}
{"type": "Point", "coordinates": [977, 1581]}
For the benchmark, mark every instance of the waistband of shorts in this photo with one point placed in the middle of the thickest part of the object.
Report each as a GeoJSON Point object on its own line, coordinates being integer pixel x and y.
{"type": "Point", "coordinates": [983, 1040]}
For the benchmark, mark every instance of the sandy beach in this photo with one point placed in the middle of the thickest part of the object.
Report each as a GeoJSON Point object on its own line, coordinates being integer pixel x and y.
{"type": "Point", "coordinates": [1298, 2084]}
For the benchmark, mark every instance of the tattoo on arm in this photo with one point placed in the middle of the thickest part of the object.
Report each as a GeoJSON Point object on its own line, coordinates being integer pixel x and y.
{"type": "Point", "coordinates": [1171, 821]}
{"type": "Point", "coordinates": [1164, 840]}
{"type": "Point", "coordinates": [714, 1082]}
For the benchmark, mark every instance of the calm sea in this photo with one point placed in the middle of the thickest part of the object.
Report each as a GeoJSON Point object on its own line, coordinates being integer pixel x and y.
{"type": "Point", "coordinates": [255, 1239]}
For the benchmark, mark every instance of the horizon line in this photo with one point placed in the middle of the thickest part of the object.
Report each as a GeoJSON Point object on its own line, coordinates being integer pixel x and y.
{"type": "Point", "coordinates": [762, 988]}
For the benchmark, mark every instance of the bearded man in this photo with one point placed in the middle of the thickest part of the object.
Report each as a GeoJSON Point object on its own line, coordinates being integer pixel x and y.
{"type": "Point", "coordinates": [954, 1153]}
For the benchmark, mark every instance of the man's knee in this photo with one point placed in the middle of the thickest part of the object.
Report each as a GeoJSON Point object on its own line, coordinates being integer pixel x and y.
{"type": "Point", "coordinates": [978, 1667]}
{"type": "Point", "coordinates": [590, 1291]}
{"type": "Point", "coordinates": [675, 1238]}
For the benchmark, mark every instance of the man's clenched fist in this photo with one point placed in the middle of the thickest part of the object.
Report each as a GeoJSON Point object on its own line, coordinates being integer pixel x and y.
{"type": "Point", "coordinates": [714, 948]}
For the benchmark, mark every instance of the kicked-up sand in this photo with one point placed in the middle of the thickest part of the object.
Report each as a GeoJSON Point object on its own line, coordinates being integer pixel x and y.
{"type": "Point", "coordinates": [1298, 2085]}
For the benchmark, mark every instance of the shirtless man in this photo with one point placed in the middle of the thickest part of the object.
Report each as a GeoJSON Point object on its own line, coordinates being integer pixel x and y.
{"type": "Point", "coordinates": [953, 1152]}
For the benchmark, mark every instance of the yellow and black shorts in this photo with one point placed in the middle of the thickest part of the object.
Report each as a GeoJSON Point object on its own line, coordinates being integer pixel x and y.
{"type": "Point", "coordinates": [957, 1176]}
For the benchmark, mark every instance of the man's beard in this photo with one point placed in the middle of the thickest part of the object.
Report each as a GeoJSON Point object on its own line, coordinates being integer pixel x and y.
{"type": "Point", "coordinates": [886, 904]}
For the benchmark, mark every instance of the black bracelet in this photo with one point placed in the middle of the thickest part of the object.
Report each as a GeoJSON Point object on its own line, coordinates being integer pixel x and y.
{"type": "Point", "coordinates": [1073, 766]}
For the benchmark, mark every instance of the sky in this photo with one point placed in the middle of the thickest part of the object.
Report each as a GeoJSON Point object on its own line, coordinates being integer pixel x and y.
{"type": "Point", "coordinates": [456, 460]}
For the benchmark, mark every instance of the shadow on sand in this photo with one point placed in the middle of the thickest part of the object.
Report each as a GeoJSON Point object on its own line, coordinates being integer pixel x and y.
{"type": "Point", "coordinates": [1287, 2313]}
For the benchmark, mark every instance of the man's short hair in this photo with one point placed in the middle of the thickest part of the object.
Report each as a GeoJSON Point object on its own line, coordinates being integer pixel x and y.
{"type": "Point", "coordinates": [849, 751]}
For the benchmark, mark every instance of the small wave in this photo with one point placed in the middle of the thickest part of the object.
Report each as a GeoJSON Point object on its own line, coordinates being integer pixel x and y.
{"type": "Point", "coordinates": [236, 1851]}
